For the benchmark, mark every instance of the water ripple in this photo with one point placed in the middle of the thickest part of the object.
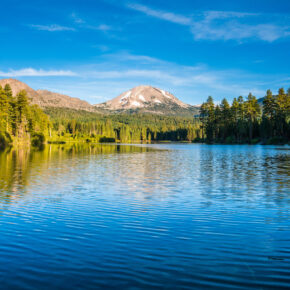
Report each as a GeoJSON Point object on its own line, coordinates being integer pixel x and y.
{"type": "Point", "coordinates": [158, 216]}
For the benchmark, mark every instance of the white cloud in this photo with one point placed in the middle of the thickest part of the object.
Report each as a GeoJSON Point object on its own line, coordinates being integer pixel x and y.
{"type": "Point", "coordinates": [221, 25]}
{"type": "Point", "coordinates": [179, 19]}
{"type": "Point", "coordinates": [234, 30]}
{"type": "Point", "coordinates": [104, 27]}
{"type": "Point", "coordinates": [30, 72]}
{"type": "Point", "coordinates": [81, 23]}
{"type": "Point", "coordinates": [100, 27]}
{"type": "Point", "coordinates": [52, 27]}
{"type": "Point", "coordinates": [126, 56]}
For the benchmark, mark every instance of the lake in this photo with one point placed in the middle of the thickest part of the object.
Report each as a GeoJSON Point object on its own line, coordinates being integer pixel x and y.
{"type": "Point", "coordinates": [140, 216]}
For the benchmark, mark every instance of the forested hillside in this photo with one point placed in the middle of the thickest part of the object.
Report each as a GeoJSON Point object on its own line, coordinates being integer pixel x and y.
{"type": "Point", "coordinates": [123, 127]}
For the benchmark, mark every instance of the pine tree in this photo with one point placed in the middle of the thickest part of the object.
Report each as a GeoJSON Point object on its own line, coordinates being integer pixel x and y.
{"type": "Point", "coordinates": [283, 112]}
{"type": "Point", "coordinates": [235, 118]}
{"type": "Point", "coordinates": [8, 91]}
{"type": "Point", "coordinates": [21, 113]}
{"type": "Point", "coordinates": [226, 118]}
{"type": "Point", "coordinates": [252, 113]}
{"type": "Point", "coordinates": [4, 111]}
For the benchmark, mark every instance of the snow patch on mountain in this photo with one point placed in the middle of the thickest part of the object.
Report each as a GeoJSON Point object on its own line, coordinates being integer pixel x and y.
{"type": "Point", "coordinates": [125, 97]}
{"type": "Point", "coordinates": [141, 97]}
{"type": "Point", "coordinates": [136, 104]}
{"type": "Point", "coordinates": [165, 94]}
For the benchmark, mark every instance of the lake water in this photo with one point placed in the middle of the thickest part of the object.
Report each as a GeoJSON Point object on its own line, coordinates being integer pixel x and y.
{"type": "Point", "coordinates": [164, 216]}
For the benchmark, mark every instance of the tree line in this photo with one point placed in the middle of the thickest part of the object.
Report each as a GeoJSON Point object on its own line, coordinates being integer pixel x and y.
{"type": "Point", "coordinates": [246, 121]}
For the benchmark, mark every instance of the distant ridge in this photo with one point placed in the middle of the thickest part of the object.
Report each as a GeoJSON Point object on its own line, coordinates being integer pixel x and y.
{"type": "Point", "coordinates": [45, 98]}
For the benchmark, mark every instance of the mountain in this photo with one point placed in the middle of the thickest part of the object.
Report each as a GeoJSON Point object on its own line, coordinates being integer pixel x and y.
{"type": "Point", "coordinates": [45, 98]}
{"type": "Point", "coordinates": [141, 99]}
{"type": "Point", "coordinates": [147, 99]}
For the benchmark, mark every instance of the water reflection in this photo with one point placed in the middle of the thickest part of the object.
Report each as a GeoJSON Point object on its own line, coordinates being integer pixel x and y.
{"type": "Point", "coordinates": [175, 216]}
{"type": "Point", "coordinates": [245, 173]}
{"type": "Point", "coordinates": [22, 166]}
{"type": "Point", "coordinates": [211, 172]}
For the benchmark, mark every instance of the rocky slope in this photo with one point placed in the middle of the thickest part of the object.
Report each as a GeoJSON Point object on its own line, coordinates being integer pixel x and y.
{"type": "Point", "coordinates": [45, 98]}
{"type": "Point", "coordinates": [62, 101]}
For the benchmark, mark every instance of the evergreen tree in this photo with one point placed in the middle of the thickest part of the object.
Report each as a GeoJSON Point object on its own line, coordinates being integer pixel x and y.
{"type": "Point", "coordinates": [4, 110]}
{"type": "Point", "coordinates": [253, 111]}
{"type": "Point", "coordinates": [226, 118]}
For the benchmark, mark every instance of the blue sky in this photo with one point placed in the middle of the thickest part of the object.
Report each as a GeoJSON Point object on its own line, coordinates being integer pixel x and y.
{"type": "Point", "coordinates": [96, 49]}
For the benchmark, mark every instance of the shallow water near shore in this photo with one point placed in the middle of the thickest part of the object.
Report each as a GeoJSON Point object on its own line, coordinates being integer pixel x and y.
{"type": "Point", "coordinates": [139, 216]}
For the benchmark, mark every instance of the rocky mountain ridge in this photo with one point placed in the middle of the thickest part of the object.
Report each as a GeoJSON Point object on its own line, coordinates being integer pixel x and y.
{"type": "Point", "coordinates": [141, 99]}
{"type": "Point", "coordinates": [45, 98]}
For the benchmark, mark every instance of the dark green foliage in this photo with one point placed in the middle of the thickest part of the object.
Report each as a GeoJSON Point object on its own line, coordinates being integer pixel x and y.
{"type": "Point", "coordinates": [56, 142]}
{"type": "Point", "coordinates": [122, 127]}
{"type": "Point", "coordinates": [37, 139]}
{"type": "Point", "coordinates": [107, 140]}
{"type": "Point", "coordinates": [18, 118]}
{"type": "Point", "coordinates": [5, 140]}
{"type": "Point", "coordinates": [245, 122]}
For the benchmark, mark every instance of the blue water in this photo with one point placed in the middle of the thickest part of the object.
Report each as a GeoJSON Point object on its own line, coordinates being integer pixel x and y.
{"type": "Point", "coordinates": [158, 216]}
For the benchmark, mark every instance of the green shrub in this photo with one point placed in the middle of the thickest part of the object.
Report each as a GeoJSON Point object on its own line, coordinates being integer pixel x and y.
{"type": "Point", "coordinates": [254, 141]}
{"type": "Point", "coordinates": [229, 140]}
{"type": "Point", "coordinates": [105, 139]}
{"type": "Point", "coordinates": [37, 139]}
{"type": "Point", "coordinates": [56, 142]}
{"type": "Point", "coordinates": [276, 141]}
{"type": "Point", "coordinates": [5, 140]}
{"type": "Point", "coordinates": [197, 140]}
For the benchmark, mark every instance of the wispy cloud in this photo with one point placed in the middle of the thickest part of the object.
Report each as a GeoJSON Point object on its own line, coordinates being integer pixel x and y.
{"type": "Point", "coordinates": [221, 25]}
{"type": "Point", "coordinates": [125, 56]}
{"type": "Point", "coordinates": [100, 27]}
{"type": "Point", "coordinates": [212, 15]}
{"type": "Point", "coordinates": [82, 23]}
{"type": "Point", "coordinates": [30, 72]}
{"type": "Point", "coordinates": [52, 27]}
{"type": "Point", "coordinates": [225, 25]}
{"type": "Point", "coordinates": [168, 16]}
{"type": "Point", "coordinates": [77, 19]}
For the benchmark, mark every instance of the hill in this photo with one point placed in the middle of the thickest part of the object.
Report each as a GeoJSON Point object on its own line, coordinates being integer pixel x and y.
{"type": "Point", "coordinates": [45, 98]}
